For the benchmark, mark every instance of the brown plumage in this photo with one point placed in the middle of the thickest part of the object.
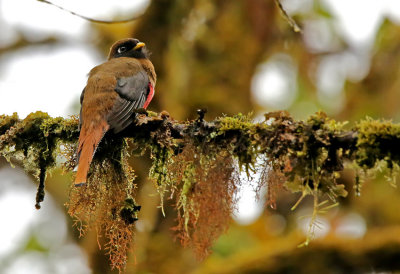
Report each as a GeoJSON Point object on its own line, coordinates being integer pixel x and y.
{"type": "Point", "coordinates": [113, 91]}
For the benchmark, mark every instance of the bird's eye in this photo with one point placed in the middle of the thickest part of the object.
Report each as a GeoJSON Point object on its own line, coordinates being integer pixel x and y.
{"type": "Point", "coordinates": [121, 49]}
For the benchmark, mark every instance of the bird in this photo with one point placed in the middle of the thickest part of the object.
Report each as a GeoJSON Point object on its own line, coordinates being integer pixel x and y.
{"type": "Point", "coordinates": [114, 91]}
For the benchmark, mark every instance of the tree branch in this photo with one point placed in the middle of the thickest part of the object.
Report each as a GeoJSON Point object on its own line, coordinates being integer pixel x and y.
{"type": "Point", "coordinates": [196, 161]}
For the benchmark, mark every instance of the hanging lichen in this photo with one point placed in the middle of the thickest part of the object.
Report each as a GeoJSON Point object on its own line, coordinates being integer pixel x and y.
{"type": "Point", "coordinates": [205, 187]}
{"type": "Point", "coordinates": [106, 202]}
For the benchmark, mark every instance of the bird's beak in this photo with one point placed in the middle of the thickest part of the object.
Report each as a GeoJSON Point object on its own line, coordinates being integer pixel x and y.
{"type": "Point", "coordinates": [139, 45]}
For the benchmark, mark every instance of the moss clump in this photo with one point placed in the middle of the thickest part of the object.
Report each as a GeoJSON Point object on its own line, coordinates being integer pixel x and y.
{"type": "Point", "coordinates": [6, 122]}
{"type": "Point", "coordinates": [128, 211]}
{"type": "Point", "coordinates": [376, 142]}
{"type": "Point", "coordinates": [308, 154]}
{"type": "Point", "coordinates": [237, 134]}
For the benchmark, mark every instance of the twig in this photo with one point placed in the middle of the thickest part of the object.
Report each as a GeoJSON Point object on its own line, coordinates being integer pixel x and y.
{"type": "Point", "coordinates": [91, 19]}
{"type": "Point", "coordinates": [289, 19]}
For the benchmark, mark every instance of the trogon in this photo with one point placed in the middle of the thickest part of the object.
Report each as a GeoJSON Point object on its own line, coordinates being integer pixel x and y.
{"type": "Point", "coordinates": [114, 90]}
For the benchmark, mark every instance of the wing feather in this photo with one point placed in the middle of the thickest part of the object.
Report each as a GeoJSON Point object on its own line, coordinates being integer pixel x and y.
{"type": "Point", "coordinates": [132, 92]}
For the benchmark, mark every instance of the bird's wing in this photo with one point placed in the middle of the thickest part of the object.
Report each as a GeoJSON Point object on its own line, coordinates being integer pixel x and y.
{"type": "Point", "coordinates": [133, 92]}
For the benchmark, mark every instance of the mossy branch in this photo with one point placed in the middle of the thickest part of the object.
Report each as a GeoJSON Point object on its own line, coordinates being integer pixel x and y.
{"type": "Point", "coordinates": [196, 161]}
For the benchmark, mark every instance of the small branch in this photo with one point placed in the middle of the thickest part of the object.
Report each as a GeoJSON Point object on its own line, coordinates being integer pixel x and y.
{"type": "Point", "coordinates": [91, 19]}
{"type": "Point", "coordinates": [287, 17]}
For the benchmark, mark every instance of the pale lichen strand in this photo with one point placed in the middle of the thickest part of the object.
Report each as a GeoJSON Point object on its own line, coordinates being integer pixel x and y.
{"type": "Point", "coordinates": [195, 162]}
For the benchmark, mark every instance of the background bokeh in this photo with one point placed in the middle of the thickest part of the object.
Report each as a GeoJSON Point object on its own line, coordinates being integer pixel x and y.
{"type": "Point", "coordinates": [228, 57]}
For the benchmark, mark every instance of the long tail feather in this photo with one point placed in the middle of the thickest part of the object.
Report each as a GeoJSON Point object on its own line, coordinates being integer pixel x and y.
{"type": "Point", "coordinates": [88, 142]}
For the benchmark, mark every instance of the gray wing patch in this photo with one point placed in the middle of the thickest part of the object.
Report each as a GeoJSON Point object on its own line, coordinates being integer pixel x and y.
{"type": "Point", "coordinates": [132, 93]}
{"type": "Point", "coordinates": [130, 87]}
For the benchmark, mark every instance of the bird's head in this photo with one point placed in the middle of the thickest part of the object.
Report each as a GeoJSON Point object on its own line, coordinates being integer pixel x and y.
{"type": "Point", "coordinates": [129, 47]}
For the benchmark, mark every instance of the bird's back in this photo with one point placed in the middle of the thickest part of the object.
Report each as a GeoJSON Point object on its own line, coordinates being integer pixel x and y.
{"type": "Point", "coordinates": [100, 95]}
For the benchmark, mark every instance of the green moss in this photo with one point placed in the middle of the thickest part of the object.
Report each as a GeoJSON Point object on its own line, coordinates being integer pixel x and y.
{"type": "Point", "coordinates": [237, 132]}
{"type": "Point", "coordinates": [6, 122]}
{"type": "Point", "coordinates": [238, 122]}
{"type": "Point", "coordinates": [128, 211]}
{"type": "Point", "coordinates": [376, 140]}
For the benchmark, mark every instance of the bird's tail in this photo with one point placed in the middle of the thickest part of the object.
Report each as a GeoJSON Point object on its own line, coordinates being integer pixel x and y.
{"type": "Point", "coordinates": [88, 142]}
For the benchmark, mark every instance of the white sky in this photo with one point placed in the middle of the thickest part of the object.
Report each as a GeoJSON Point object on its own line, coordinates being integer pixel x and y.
{"type": "Point", "coordinates": [51, 78]}
{"type": "Point", "coordinates": [359, 19]}
{"type": "Point", "coordinates": [46, 78]}
{"type": "Point", "coordinates": [21, 221]}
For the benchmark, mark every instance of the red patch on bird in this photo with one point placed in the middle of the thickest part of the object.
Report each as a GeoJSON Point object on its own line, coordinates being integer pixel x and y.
{"type": "Point", "coordinates": [149, 97]}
